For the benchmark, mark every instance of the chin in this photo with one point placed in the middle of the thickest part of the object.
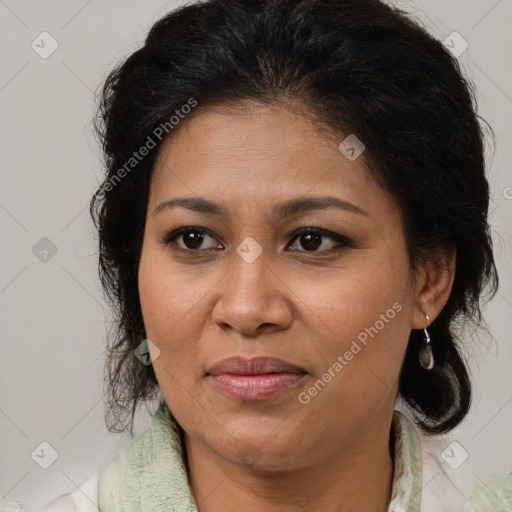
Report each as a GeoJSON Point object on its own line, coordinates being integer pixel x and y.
{"type": "Point", "coordinates": [260, 447]}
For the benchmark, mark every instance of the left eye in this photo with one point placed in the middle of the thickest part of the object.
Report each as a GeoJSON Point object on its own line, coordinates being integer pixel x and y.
{"type": "Point", "coordinates": [311, 240]}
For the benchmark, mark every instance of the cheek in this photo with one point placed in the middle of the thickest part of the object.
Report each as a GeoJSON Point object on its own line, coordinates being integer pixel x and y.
{"type": "Point", "coordinates": [175, 308]}
{"type": "Point", "coordinates": [167, 306]}
{"type": "Point", "coordinates": [169, 309]}
{"type": "Point", "coordinates": [355, 298]}
{"type": "Point", "coordinates": [363, 315]}
{"type": "Point", "coordinates": [167, 297]}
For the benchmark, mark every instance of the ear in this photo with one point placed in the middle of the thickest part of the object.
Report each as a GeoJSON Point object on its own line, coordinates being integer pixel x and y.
{"type": "Point", "coordinates": [434, 281]}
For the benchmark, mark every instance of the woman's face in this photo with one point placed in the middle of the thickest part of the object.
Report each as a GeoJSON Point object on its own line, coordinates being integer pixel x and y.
{"type": "Point", "coordinates": [335, 302]}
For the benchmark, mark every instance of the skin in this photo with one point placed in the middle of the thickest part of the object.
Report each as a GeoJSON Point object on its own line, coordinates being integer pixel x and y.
{"type": "Point", "coordinates": [305, 305]}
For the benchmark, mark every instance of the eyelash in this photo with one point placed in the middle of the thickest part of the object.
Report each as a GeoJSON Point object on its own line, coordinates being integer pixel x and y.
{"type": "Point", "coordinates": [333, 237]}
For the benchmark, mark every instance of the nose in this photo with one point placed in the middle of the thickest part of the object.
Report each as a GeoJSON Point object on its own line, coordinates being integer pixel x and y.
{"type": "Point", "coordinates": [253, 298]}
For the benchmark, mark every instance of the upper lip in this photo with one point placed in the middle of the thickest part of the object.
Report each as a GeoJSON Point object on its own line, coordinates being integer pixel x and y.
{"type": "Point", "coordinates": [260, 365]}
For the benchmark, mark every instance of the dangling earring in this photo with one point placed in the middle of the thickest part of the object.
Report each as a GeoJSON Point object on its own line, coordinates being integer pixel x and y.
{"type": "Point", "coordinates": [426, 355]}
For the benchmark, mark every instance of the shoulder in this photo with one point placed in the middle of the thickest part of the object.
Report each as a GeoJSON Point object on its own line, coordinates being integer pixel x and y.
{"type": "Point", "coordinates": [492, 494]}
{"type": "Point", "coordinates": [111, 476]}
{"type": "Point", "coordinates": [440, 493]}
{"type": "Point", "coordinates": [83, 499]}
{"type": "Point", "coordinates": [448, 481]}
{"type": "Point", "coordinates": [77, 495]}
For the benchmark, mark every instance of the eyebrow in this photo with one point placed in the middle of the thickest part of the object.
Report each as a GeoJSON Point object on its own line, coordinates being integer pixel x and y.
{"type": "Point", "coordinates": [281, 210]}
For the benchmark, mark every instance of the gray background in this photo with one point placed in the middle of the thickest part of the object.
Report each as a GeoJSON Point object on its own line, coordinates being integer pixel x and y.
{"type": "Point", "coordinates": [53, 317]}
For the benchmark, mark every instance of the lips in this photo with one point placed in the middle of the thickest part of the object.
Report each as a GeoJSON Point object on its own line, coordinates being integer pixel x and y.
{"type": "Point", "coordinates": [253, 366]}
{"type": "Point", "coordinates": [257, 378]}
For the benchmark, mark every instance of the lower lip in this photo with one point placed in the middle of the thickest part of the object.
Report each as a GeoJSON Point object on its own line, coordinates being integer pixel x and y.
{"type": "Point", "coordinates": [256, 387]}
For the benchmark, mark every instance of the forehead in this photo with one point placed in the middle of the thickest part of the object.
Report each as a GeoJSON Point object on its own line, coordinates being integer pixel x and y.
{"type": "Point", "coordinates": [258, 153]}
{"type": "Point", "coordinates": [248, 133]}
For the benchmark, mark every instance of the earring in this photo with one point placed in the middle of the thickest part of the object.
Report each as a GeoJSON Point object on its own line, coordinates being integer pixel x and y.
{"type": "Point", "coordinates": [426, 355]}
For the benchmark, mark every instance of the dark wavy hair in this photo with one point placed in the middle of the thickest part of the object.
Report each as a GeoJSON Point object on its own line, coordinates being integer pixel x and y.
{"type": "Point", "coordinates": [359, 66]}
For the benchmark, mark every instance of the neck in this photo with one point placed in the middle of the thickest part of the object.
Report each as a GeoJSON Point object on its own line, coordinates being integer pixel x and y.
{"type": "Point", "coordinates": [351, 479]}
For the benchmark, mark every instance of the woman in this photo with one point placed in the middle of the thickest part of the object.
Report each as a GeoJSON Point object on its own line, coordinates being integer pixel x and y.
{"type": "Point", "coordinates": [292, 223]}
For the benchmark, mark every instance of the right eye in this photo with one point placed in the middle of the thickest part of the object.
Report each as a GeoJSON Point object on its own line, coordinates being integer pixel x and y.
{"type": "Point", "coordinates": [191, 238]}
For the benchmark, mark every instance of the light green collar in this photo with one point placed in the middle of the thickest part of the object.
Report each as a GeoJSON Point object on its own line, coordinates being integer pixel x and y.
{"type": "Point", "coordinates": [149, 473]}
{"type": "Point", "coordinates": [406, 492]}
